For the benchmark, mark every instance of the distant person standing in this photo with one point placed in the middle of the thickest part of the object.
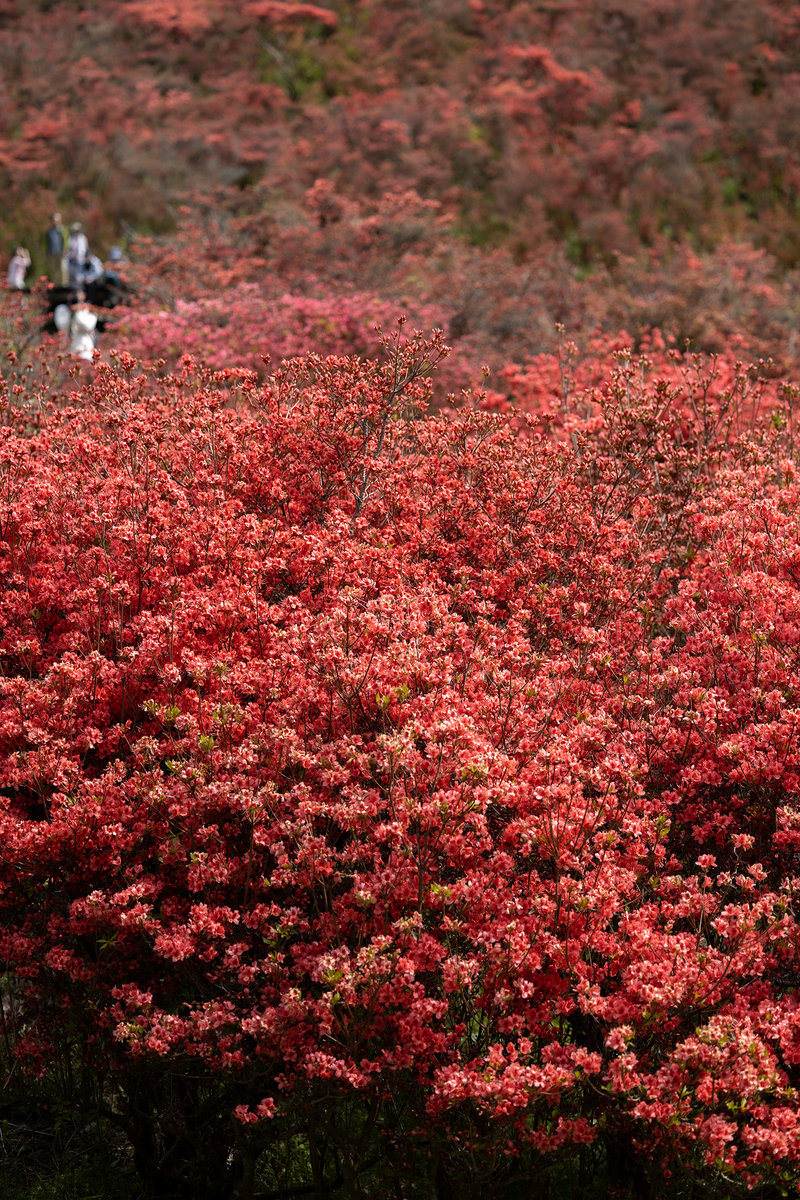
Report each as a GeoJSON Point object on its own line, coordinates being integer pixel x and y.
{"type": "Point", "coordinates": [20, 261]}
{"type": "Point", "coordinates": [56, 239]}
{"type": "Point", "coordinates": [77, 251]}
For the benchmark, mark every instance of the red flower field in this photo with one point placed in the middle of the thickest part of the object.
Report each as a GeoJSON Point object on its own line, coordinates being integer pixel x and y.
{"type": "Point", "coordinates": [399, 755]}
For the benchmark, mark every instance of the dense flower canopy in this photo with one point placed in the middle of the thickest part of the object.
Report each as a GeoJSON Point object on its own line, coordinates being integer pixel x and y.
{"type": "Point", "coordinates": [432, 773]}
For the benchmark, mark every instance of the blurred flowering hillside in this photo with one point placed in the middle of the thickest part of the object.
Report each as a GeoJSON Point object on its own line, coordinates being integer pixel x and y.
{"type": "Point", "coordinates": [603, 163]}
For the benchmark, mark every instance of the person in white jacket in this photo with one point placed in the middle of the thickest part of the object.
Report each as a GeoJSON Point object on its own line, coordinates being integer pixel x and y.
{"type": "Point", "coordinates": [81, 330]}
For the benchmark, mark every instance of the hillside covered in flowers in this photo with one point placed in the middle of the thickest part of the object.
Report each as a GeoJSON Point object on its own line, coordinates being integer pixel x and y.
{"type": "Point", "coordinates": [607, 165]}
{"type": "Point", "coordinates": [400, 602]}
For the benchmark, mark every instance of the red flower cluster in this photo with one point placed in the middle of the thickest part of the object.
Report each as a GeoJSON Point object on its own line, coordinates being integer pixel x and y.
{"type": "Point", "coordinates": [422, 773]}
{"type": "Point", "coordinates": [244, 325]}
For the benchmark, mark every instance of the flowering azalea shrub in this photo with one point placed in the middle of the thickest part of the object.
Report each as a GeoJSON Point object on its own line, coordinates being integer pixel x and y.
{"type": "Point", "coordinates": [717, 399]}
{"type": "Point", "coordinates": [397, 804]}
{"type": "Point", "coordinates": [245, 325]}
{"type": "Point", "coordinates": [352, 257]}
